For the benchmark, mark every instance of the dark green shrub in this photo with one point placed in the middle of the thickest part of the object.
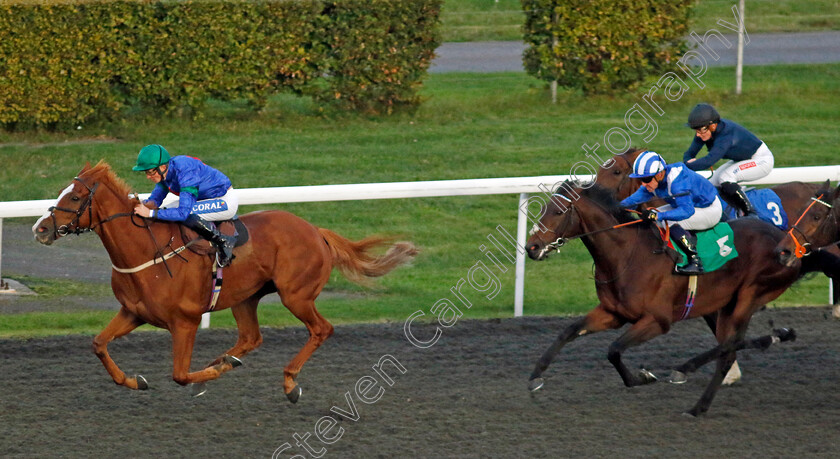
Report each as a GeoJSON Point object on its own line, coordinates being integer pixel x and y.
{"type": "Point", "coordinates": [601, 46]}
{"type": "Point", "coordinates": [65, 62]}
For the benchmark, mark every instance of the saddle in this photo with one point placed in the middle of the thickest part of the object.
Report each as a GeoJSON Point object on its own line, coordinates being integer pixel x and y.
{"type": "Point", "coordinates": [201, 246]}
{"type": "Point", "coordinates": [766, 203]}
{"type": "Point", "coordinates": [715, 247]}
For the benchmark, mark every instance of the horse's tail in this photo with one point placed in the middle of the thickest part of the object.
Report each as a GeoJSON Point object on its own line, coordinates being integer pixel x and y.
{"type": "Point", "coordinates": [354, 260]}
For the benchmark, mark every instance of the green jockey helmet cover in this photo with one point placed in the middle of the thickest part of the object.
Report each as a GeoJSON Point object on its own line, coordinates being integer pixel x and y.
{"type": "Point", "coordinates": [150, 157]}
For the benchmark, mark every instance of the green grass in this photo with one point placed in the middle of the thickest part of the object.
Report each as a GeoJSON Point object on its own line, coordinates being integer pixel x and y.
{"type": "Point", "coordinates": [483, 20]}
{"type": "Point", "coordinates": [471, 126]}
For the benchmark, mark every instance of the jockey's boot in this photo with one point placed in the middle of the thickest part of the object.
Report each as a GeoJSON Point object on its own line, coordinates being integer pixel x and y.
{"type": "Point", "coordinates": [688, 244]}
{"type": "Point", "coordinates": [739, 198]}
{"type": "Point", "coordinates": [223, 243]}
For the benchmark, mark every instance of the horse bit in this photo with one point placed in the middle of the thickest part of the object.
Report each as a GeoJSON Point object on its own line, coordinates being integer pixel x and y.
{"type": "Point", "coordinates": [801, 250]}
{"type": "Point", "coordinates": [64, 230]}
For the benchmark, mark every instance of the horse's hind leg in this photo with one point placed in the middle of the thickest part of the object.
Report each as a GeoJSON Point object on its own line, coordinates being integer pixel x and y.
{"type": "Point", "coordinates": [597, 320]}
{"type": "Point", "coordinates": [183, 339]}
{"type": "Point", "coordinates": [250, 338]}
{"type": "Point", "coordinates": [122, 324]}
{"type": "Point", "coordinates": [319, 330]}
{"type": "Point", "coordinates": [762, 342]}
{"type": "Point", "coordinates": [645, 329]}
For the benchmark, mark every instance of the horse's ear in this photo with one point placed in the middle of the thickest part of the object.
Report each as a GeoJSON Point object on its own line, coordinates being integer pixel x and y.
{"type": "Point", "coordinates": [87, 166]}
{"type": "Point", "coordinates": [836, 190]}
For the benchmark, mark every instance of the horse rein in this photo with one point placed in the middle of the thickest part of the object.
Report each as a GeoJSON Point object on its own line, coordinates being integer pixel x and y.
{"type": "Point", "coordinates": [801, 250]}
{"type": "Point", "coordinates": [64, 230]}
{"type": "Point", "coordinates": [561, 241]}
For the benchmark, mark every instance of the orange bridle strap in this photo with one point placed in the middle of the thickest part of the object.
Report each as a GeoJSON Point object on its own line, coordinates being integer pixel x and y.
{"type": "Point", "coordinates": [800, 250]}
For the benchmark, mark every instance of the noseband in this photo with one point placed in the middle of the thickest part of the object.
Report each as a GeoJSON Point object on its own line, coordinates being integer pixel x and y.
{"type": "Point", "coordinates": [801, 250]}
{"type": "Point", "coordinates": [64, 230]}
{"type": "Point", "coordinates": [561, 241]}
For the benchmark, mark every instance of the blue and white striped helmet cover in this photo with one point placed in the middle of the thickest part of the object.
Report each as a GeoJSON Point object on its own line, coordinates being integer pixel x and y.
{"type": "Point", "coordinates": [647, 164]}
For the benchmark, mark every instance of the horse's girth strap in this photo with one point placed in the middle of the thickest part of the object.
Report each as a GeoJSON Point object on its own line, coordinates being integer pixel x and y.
{"type": "Point", "coordinates": [154, 261]}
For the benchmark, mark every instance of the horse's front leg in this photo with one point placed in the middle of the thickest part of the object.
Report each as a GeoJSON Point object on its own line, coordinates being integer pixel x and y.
{"type": "Point", "coordinates": [644, 330]}
{"type": "Point", "coordinates": [597, 320]}
{"type": "Point", "coordinates": [183, 339]}
{"type": "Point", "coordinates": [723, 364]}
{"type": "Point", "coordinates": [250, 338]}
{"type": "Point", "coordinates": [122, 324]}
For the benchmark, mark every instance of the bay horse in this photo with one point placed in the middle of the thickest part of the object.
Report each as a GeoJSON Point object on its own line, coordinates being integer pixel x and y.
{"type": "Point", "coordinates": [793, 196]}
{"type": "Point", "coordinates": [816, 233]}
{"type": "Point", "coordinates": [635, 284]}
{"type": "Point", "coordinates": [285, 254]}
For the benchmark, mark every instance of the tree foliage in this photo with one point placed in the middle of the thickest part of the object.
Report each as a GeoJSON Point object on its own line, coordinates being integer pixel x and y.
{"type": "Point", "coordinates": [603, 46]}
{"type": "Point", "coordinates": [64, 62]}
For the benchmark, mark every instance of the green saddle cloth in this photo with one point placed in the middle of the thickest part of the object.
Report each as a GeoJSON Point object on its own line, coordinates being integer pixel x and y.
{"type": "Point", "coordinates": [715, 247]}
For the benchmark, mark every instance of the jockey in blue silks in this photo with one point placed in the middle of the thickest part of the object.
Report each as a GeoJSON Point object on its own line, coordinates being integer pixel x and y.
{"type": "Point", "coordinates": [205, 194]}
{"type": "Point", "coordinates": [692, 202]}
{"type": "Point", "coordinates": [749, 158]}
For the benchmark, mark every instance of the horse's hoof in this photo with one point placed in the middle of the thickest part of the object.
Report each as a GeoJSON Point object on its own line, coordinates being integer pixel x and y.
{"type": "Point", "coordinates": [677, 377]}
{"type": "Point", "coordinates": [142, 384]}
{"type": "Point", "coordinates": [647, 377]}
{"type": "Point", "coordinates": [294, 395]}
{"type": "Point", "coordinates": [232, 361]}
{"type": "Point", "coordinates": [733, 375]}
{"type": "Point", "coordinates": [198, 389]}
{"type": "Point", "coordinates": [536, 384]}
{"type": "Point", "coordinates": [785, 334]}
{"type": "Point", "coordinates": [696, 411]}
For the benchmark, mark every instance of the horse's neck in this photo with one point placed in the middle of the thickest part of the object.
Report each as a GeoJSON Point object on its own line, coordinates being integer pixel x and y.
{"type": "Point", "coordinates": [127, 244]}
{"type": "Point", "coordinates": [610, 249]}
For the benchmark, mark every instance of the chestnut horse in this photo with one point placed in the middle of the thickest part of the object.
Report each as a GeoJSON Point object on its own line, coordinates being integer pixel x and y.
{"type": "Point", "coordinates": [285, 254]}
{"type": "Point", "coordinates": [635, 283]}
{"type": "Point", "coordinates": [792, 194]}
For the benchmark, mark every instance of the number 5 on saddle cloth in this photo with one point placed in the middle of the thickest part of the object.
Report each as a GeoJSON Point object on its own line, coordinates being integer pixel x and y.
{"type": "Point", "coordinates": [715, 247]}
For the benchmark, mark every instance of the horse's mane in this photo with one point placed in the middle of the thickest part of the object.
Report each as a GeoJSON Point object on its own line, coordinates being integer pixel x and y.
{"type": "Point", "coordinates": [102, 171]}
{"type": "Point", "coordinates": [600, 195]}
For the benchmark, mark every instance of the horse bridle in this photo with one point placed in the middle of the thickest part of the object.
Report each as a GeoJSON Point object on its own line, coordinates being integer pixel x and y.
{"type": "Point", "coordinates": [64, 230]}
{"type": "Point", "coordinates": [800, 249]}
{"type": "Point", "coordinates": [561, 241]}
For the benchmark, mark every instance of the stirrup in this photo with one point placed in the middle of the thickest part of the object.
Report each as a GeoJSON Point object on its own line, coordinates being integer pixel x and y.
{"type": "Point", "coordinates": [691, 269]}
{"type": "Point", "coordinates": [222, 261]}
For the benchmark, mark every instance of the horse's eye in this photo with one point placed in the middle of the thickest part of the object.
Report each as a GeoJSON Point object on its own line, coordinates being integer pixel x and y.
{"type": "Point", "coordinates": [75, 198]}
{"type": "Point", "coordinates": [616, 172]}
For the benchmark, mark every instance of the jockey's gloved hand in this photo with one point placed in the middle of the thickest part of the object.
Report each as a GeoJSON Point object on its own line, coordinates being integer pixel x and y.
{"type": "Point", "coordinates": [649, 215]}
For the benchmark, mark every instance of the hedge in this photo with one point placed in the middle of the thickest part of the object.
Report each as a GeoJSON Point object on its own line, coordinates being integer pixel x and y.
{"type": "Point", "coordinates": [63, 63]}
{"type": "Point", "coordinates": [602, 46]}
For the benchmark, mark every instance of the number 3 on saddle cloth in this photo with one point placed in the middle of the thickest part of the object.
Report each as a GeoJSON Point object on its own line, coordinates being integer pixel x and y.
{"type": "Point", "coordinates": [766, 203]}
{"type": "Point", "coordinates": [715, 247]}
